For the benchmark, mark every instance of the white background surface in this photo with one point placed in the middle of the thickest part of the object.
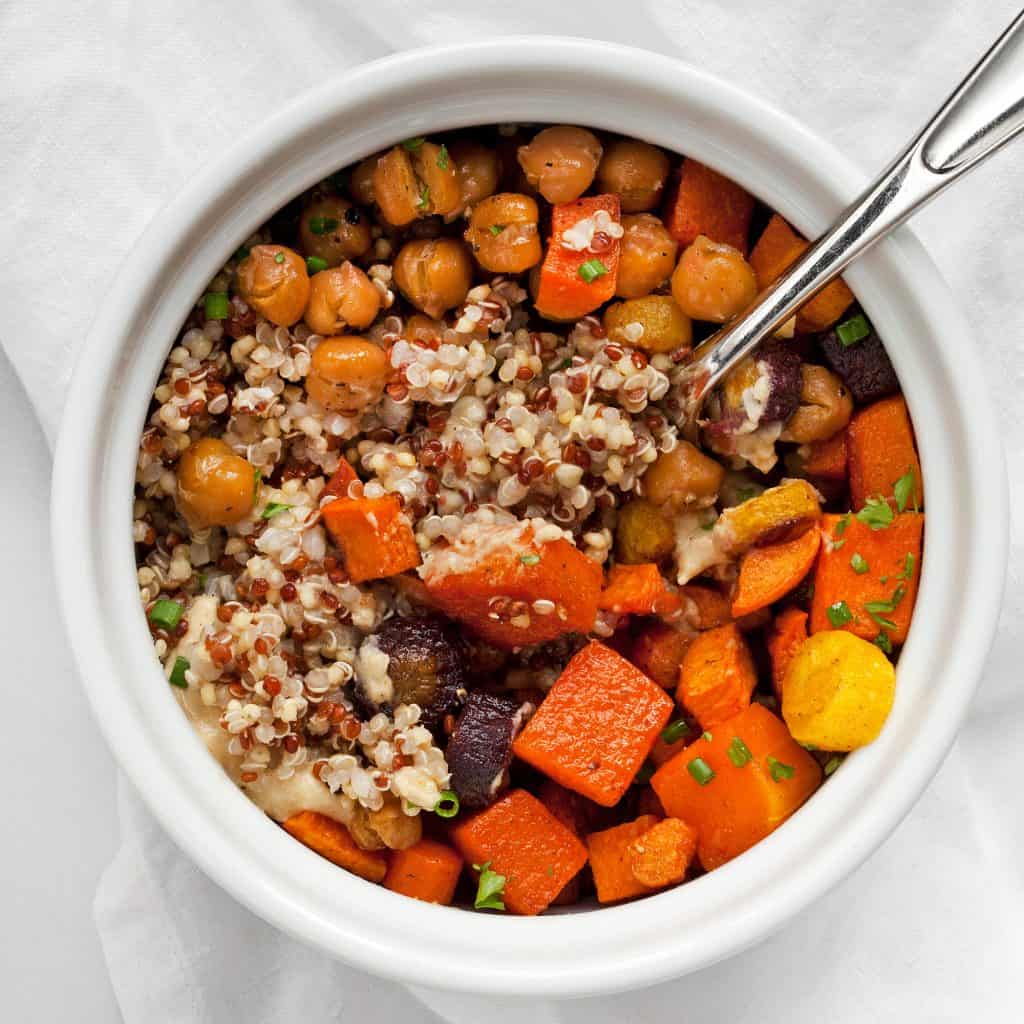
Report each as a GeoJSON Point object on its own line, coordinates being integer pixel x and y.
{"type": "Point", "coordinates": [113, 103]}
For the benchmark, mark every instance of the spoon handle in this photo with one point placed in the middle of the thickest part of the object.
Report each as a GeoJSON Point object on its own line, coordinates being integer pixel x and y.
{"type": "Point", "coordinates": [985, 112]}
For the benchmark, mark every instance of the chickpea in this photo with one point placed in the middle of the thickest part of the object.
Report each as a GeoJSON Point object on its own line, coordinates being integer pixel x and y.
{"type": "Point", "coordinates": [479, 170]}
{"type": "Point", "coordinates": [561, 162]}
{"type": "Point", "coordinates": [347, 374]}
{"type": "Point", "coordinates": [388, 828]}
{"type": "Point", "coordinates": [440, 191]}
{"type": "Point", "coordinates": [643, 533]}
{"type": "Point", "coordinates": [334, 230]}
{"type": "Point", "coordinates": [273, 280]}
{"type": "Point", "coordinates": [684, 476]}
{"type": "Point", "coordinates": [647, 255]}
{"type": "Point", "coordinates": [216, 487]}
{"type": "Point", "coordinates": [341, 297]}
{"type": "Point", "coordinates": [422, 328]}
{"type": "Point", "coordinates": [654, 323]}
{"type": "Point", "coordinates": [635, 171]}
{"type": "Point", "coordinates": [503, 233]}
{"type": "Point", "coordinates": [434, 274]}
{"type": "Point", "coordinates": [361, 182]}
{"type": "Point", "coordinates": [713, 281]}
{"type": "Point", "coordinates": [825, 406]}
{"type": "Point", "coordinates": [396, 188]}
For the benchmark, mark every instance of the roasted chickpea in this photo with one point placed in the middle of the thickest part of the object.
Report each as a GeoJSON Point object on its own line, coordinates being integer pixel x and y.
{"type": "Point", "coordinates": [334, 230]}
{"type": "Point", "coordinates": [825, 406]}
{"type": "Point", "coordinates": [643, 533]}
{"type": "Point", "coordinates": [684, 476]}
{"type": "Point", "coordinates": [273, 280]}
{"type": "Point", "coordinates": [654, 323]}
{"type": "Point", "coordinates": [216, 487]}
{"type": "Point", "coordinates": [635, 171]}
{"type": "Point", "coordinates": [479, 170]}
{"type": "Point", "coordinates": [422, 328]}
{"type": "Point", "coordinates": [387, 828]}
{"type": "Point", "coordinates": [361, 182]}
{"type": "Point", "coordinates": [341, 297]}
{"type": "Point", "coordinates": [713, 281]}
{"type": "Point", "coordinates": [434, 274]}
{"type": "Point", "coordinates": [561, 162]}
{"type": "Point", "coordinates": [439, 180]}
{"type": "Point", "coordinates": [347, 374]}
{"type": "Point", "coordinates": [503, 233]}
{"type": "Point", "coordinates": [396, 188]}
{"type": "Point", "coordinates": [647, 255]}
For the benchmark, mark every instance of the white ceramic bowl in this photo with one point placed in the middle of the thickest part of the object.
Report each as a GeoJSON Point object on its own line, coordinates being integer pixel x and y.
{"type": "Point", "coordinates": [554, 80]}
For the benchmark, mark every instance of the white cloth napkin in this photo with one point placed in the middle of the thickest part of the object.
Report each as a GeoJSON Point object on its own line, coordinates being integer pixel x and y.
{"type": "Point", "coordinates": [106, 109]}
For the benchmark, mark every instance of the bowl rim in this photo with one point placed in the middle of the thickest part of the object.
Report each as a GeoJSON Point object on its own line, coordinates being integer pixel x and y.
{"type": "Point", "coordinates": [533, 78]}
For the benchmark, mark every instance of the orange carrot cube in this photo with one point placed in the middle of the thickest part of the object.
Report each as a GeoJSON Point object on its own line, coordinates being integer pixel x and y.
{"type": "Point", "coordinates": [788, 632]}
{"type": "Point", "coordinates": [427, 871]}
{"type": "Point", "coordinates": [637, 590]}
{"type": "Point", "coordinates": [662, 854]}
{"type": "Point", "coordinates": [332, 840]}
{"type": "Point", "coordinates": [610, 860]}
{"type": "Point", "coordinates": [882, 450]}
{"type": "Point", "coordinates": [658, 652]}
{"type": "Point", "coordinates": [706, 606]}
{"type": "Point", "coordinates": [705, 202]}
{"type": "Point", "coordinates": [596, 725]}
{"type": "Point", "coordinates": [374, 535]}
{"type": "Point", "coordinates": [738, 785]}
{"type": "Point", "coordinates": [826, 460]}
{"type": "Point", "coordinates": [524, 842]}
{"type": "Point", "coordinates": [717, 676]}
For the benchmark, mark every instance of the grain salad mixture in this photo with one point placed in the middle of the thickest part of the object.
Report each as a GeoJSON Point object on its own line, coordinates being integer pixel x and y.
{"type": "Point", "coordinates": [432, 569]}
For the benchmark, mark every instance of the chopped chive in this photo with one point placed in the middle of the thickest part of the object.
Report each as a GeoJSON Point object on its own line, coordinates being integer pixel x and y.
{"type": "Point", "coordinates": [216, 305]}
{"type": "Point", "coordinates": [842, 525]}
{"type": "Point", "coordinates": [592, 270]}
{"type": "Point", "coordinates": [835, 545]}
{"type": "Point", "coordinates": [853, 330]}
{"type": "Point", "coordinates": [177, 676]}
{"type": "Point", "coordinates": [876, 513]}
{"type": "Point", "coordinates": [882, 642]}
{"type": "Point", "coordinates": [274, 508]}
{"type": "Point", "coordinates": [411, 145]}
{"type": "Point", "coordinates": [700, 770]}
{"type": "Point", "coordinates": [447, 805]}
{"type": "Point", "coordinates": [241, 253]}
{"type": "Point", "coordinates": [707, 736]}
{"type": "Point", "coordinates": [166, 614]}
{"type": "Point", "coordinates": [887, 606]}
{"type": "Point", "coordinates": [839, 614]}
{"type": "Point", "coordinates": [321, 225]}
{"type": "Point", "coordinates": [675, 731]}
{"type": "Point", "coordinates": [489, 889]}
{"type": "Point", "coordinates": [531, 559]}
{"type": "Point", "coordinates": [780, 771]}
{"type": "Point", "coordinates": [739, 753]}
{"type": "Point", "coordinates": [442, 157]}
{"type": "Point", "coordinates": [643, 776]}
{"type": "Point", "coordinates": [279, 258]}
{"type": "Point", "coordinates": [831, 765]}
{"type": "Point", "coordinates": [314, 264]}
{"type": "Point", "coordinates": [424, 198]}
{"type": "Point", "coordinates": [496, 229]}
{"type": "Point", "coordinates": [858, 563]}
{"type": "Point", "coordinates": [907, 572]}
{"type": "Point", "coordinates": [904, 489]}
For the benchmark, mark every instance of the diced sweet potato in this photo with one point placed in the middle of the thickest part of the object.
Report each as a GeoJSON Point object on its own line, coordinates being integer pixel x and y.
{"type": "Point", "coordinates": [524, 842]}
{"type": "Point", "coordinates": [739, 785]}
{"type": "Point", "coordinates": [881, 451]}
{"type": "Point", "coordinates": [662, 854]}
{"type": "Point", "coordinates": [332, 840]}
{"type": "Point", "coordinates": [428, 871]}
{"type": "Point", "coordinates": [711, 607]}
{"type": "Point", "coordinates": [638, 590]}
{"type": "Point", "coordinates": [860, 602]}
{"type": "Point", "coordinates": [769, 573]}
{"type": "Point", "coordinates": [826, 460]}
{"type": "Point", "coordinates": [374, 536]}
{"type": "Point", "coordinates": [658, 651]}
{"type": "Point", "coordinates": [704, 202]}
{"type": "Point", "coordinates": [566, 290]}
{"type": "Point", "coordinates": [717, 676]}
{"type": "Point", "coordinates": [611, 863]}
{"type": "Point", "coordinates": [556, 572]}
{"type": "Point", "coordinates": [788, 632]}
{"type": "Point", "coordinates": [596, 725]}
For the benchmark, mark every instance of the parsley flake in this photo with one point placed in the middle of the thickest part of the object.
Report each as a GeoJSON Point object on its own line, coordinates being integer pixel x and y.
{"type": "Point", "coordinates": [904, 489]}
{"type": "Point", "coordinates": [858, 563]}
{"type": "Point", "coordinates": [839, 614]}
{"type": "Point", "coordinates": [876, 513]}
{"type": "Point", "coordinates": [490, 888]}
{"type": "Point", "coordinates": [274, 508]}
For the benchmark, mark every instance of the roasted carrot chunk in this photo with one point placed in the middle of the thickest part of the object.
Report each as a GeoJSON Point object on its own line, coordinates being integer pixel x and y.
{"type": "Point", "coordinates": [596, 725]}
{"type": "Point", "coordinates": [524, 842]}
{"type": "Point", "coordinates": [658, 652]}
{"type": "Point", "coordinates": [738, 785]}
{"type": "Point", "coordinates": [868, 584]}
{"type": "Point", "coordinates": [706, 203]}
{"type": "Point", "coordinates": [778, 247]}
{"type": "Point", "coordinates": [331, 839]}
{"type": "Point", "coordinates": [611, 863]}
{"type": "Point", "coordinates": [771, 572]}
{"type": "Point", "coordinates": [572, 283]}
{"type": "Point", "coordinates": [337, 485]}
{"type": "Point", "coordinates": [638, 590]}
{"type": "Point", "coordinates": [826, 460]}
{"type": "Point", "coordinates": [882, 451]}
{"type": "Point", "coordinates": [557, 573]}
{"type": "Point", "coordinates": [662, 854]}
{"type": "Point", "coordinates": [788, 632]}
{"type": "Point", "coordinates": [717, 676]}
{"type": "Point", "coordinates": [707, 607]}
{"type": "Point", "coordinates": [427, 871]}
{"type": "Point", "coordinates": [374, 535]}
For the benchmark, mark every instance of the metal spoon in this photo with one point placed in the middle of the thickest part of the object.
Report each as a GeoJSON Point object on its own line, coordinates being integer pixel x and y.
{"type": "Point", "coordinates": [984, 113]}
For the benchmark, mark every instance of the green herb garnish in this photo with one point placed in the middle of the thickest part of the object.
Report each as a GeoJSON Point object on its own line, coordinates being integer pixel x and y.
{"type": "Point", "coordinates": [675, 731]}
{"type": "Point", "coordinates": [241, 253]}
{"type": "Point", "coordinates": [876, 513]}
{"type": "Point", "coordinates": [882, 642]}
{"type": "Point", "coordinates": [904, 489]}
{"type": "Point", "coordinates": [166, 614]}
{"type": "Point", "coordinates": [853, 330]}
{"type": "Point", "coordinates": [831, 765]}
{"type": "Point", "coordinates": [643, 776]}
{"type": "Point", "coordinates": [531, 559]}
{"type": "Point", "coordinates": [490, 888]}
{"type": "Point", "coordinates": [273, 508]}
{"type": "Point", "coordinates": [279, 258]}
{"type": "Point", "coordinates": [177, 676]}
{"type": "Point", "coordinates": [424, 198]}
{"type": "Point", "coordinates": [841, 526]}
{"type": "Point", "coordinates": [839, 614]}
{"type": "Point", "coordinates": [257, 476]}
{"type": "Point", "coordinates": [780, 771]}
{"type": "Point", "coordinates": [314, 264]}
{"type": "Point", "coordinates": [411, 145]}
{"type": "Point", "coordinates": [496, 229]}
{"type": "Point", "coordinates": [907, 572]}
{"type": "Point", "coordinates": [447, 805]}
{"type": "Point", "coordinates": [216, 305]}
{"type": "Point", "coordinates": [321, 225]}
{"type": "Point", "coordinates": [442, 157]}
{"type": "Point", "coordinates": [701, 771]}
{"type": "Point", "coordinates": [739, 753]}
{"type": "Point", "coordinates": [706, 736]}
{"type": "Point", "coordinates": [592, 270]}
{"type": "Point", "coordinates": [858, 563]}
